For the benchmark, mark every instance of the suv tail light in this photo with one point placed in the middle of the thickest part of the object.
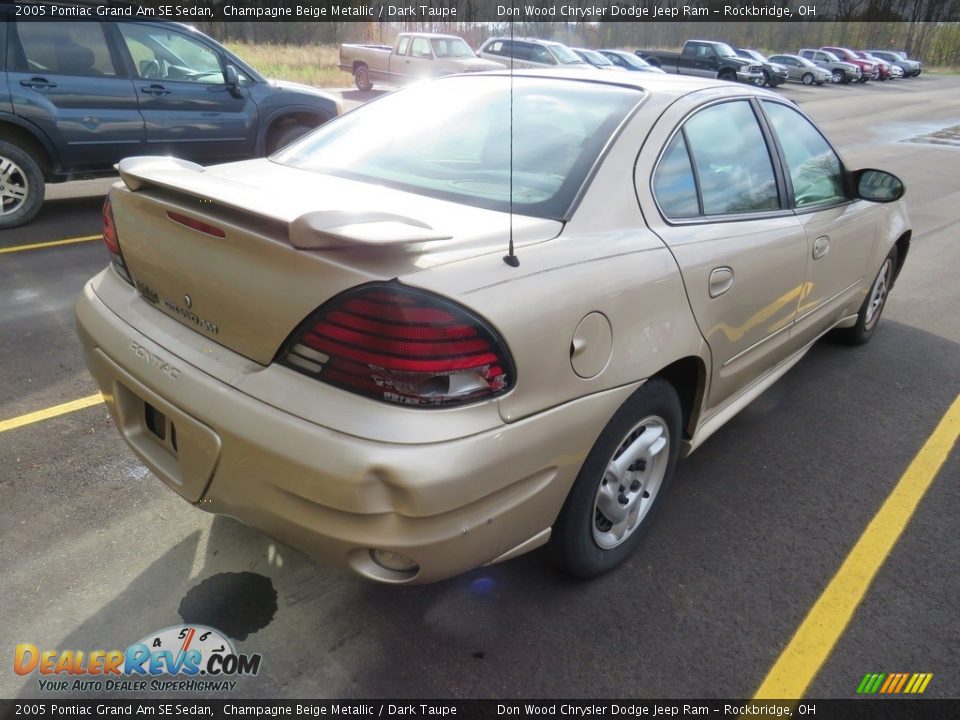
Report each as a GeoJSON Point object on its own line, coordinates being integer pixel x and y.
{"type": "Point", "coordinates": [401, 345]}
{"type": "Point", "coordinates": [112, 242]}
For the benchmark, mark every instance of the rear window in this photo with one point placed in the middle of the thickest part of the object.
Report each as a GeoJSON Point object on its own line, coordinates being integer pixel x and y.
{"type": "Point", "coordinates": [450, 139]}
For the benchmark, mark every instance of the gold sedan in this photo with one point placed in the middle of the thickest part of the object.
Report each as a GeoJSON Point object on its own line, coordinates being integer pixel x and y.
{"type": "Point", "coordinates": [480, 314]}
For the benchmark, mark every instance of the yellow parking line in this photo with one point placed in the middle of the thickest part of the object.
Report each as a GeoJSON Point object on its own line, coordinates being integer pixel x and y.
{"type": "Point", "coordinates": [814, 640]}
{"type": "Point", "coordinates": [52, 243]}
{"type": "Point", "coordinates": [51, 412]}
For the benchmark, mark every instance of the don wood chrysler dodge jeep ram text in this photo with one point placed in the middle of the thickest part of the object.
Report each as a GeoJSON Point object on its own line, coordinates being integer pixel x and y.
{"type": "Point", "coordinates": [328, 344]}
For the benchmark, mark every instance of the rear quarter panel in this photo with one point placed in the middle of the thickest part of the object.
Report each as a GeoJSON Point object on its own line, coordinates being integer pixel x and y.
{"type": "Point", "coordinates": [607, 261]}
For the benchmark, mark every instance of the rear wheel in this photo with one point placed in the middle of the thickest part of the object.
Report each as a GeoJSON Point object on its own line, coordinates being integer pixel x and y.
{"type": "Point", "coordinates": [361, 76]}
{"type": "Point", "coordinates": [626, 472]}
{"type": "Point", "coordinates": [807, 78]}
{"type": "Point", "coordinates": [873, 304]}
{"type": "Point", "coordinates": [21, 186]}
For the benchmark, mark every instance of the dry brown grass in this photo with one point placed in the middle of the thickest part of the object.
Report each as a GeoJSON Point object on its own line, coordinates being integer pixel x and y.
{"type": "Point", "coordinates": [309, 64]}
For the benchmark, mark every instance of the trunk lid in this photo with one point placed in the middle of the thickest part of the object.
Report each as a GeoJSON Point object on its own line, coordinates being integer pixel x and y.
{"type": "Point", "coordinates": [214, 247]}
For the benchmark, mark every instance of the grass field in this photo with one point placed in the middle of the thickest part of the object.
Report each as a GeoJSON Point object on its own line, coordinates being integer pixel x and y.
{"type": "Point", "coordinates": [309, 64]}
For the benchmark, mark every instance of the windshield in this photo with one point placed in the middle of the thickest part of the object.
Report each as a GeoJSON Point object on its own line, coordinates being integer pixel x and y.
{"type": "Point", "coordinates": [564, 55]}
{"type": "Point", "coordinates": [724, 50]}
{"type": "Point", "coordinates": [451, 47]}
{"type": "Point", "coordinates": [830, 56]}
{"type": "Point", "coordinates": [450, 139]}
{"type": "Point", "coordinates": [594, 58]}
{"type": "Point", "coordinates": [753, 55]}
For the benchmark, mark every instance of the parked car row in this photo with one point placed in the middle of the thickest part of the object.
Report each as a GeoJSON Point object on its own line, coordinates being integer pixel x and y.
{"type": "Point", "coordinates": [809, 66]}
{"type": "Point", "coordinates": [418, 55]}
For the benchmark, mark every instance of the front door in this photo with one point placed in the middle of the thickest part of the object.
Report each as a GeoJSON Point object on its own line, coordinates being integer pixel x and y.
{"type": "Point", "coordinates": [840, 232]}
{"type": "Point", "coordinates": [188, 108]}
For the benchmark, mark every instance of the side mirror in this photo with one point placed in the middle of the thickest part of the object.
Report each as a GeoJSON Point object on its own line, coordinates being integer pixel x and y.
{"type": "Point", "coordinates": [233, 80]}
{"type": "Point", "coordinates": [877, 186]}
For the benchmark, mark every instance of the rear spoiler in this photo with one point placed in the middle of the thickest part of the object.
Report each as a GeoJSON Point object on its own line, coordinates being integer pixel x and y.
{"type": "Point", "coordinates": [317, 230]}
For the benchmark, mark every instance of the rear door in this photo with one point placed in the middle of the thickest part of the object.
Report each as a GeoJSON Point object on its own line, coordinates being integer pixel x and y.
{"type": "Point", "coordinates": [715, 199]}
{"type": "Point", "coordinates": [65, 78]}
{"type": "Point", "coordinates": [181, 87]}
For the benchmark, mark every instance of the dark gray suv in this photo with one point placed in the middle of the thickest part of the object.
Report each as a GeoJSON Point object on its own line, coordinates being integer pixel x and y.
{"type": "Point", "coordinates": [76, 97]}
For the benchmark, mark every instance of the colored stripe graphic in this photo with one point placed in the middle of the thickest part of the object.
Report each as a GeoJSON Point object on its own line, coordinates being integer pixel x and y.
{"type": "Point", "coordinates": [903, 680]}
{"type": "Point", "coordinates": [894, 683]}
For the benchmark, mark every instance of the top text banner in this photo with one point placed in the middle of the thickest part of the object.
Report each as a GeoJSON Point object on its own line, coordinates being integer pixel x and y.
{"type": "Point", "coordinates": [499, 11]}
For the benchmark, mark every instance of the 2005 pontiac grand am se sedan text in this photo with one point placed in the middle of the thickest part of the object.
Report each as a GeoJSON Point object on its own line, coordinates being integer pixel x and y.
{"type": "Point", "coordinates": [329, 345]}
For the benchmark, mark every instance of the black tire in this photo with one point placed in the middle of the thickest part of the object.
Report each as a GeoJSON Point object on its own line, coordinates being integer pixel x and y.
{"type": "Point", "coordinates": [727, 75]}
{"type": "Point", "coordinates": [807, 79]}
{"type": "Point", "coordinates": [21, 186]}
{"type": "Point", "coordinates": [574, 547]}
{"type": "Point", "coordinates": [361, 76]}
{"type": "Point", "coordinates": [766, 82]}
{"type": "Point", "coordinates": [868, 316]}
{"type": "Point", "coordinates": [287, 135]}
{"type": "Point", "coordinates": [839, 76]}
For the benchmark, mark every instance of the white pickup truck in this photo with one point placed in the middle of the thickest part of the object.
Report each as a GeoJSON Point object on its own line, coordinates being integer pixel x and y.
{"type": "Point", "coordinates": [413, 56]}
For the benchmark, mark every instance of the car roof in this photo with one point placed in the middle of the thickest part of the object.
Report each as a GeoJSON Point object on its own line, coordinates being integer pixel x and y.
{"type": "Point", "coordinates": [665, 86]}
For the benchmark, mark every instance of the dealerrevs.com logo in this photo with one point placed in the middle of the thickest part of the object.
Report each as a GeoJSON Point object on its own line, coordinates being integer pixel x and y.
{"type": "Point", "coordinates": [186, 658]}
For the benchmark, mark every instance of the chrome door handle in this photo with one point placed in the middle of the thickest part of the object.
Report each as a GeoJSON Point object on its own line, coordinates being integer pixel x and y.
{"type": "Point", "coordinates": [821, 246]}
{"type": "Point", "coordinates": [721, 280]}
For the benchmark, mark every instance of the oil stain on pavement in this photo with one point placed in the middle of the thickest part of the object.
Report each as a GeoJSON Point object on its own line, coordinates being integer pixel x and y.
{"type": "Point", "coordinates": [238, 604]}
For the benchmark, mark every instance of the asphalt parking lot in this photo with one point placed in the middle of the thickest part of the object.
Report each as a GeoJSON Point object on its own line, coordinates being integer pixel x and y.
{"type": "Point", "coordinates": [96, 553]}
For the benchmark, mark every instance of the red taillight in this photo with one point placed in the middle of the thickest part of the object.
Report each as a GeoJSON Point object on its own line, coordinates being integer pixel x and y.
{"type": "Point", "coordinates": [109, 228]}
{"type": "Point", "coordinates": [197, 225]}
{"type": "Point", "coordinates": [112, 241]}
{"type": "Point", "coordinates": [401, 345]}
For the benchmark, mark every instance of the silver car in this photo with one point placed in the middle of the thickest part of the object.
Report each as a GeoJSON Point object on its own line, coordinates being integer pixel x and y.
{"type": "Point", "coordinates": [841, 72]}
{"type": "Point", "coordinates": [802, 70]}
{"type": "Point", "coordinates": [521, 53]}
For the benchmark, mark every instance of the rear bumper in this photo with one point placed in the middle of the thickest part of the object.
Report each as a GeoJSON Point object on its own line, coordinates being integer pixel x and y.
{"type": "Point", "coordinates": [450, 505]}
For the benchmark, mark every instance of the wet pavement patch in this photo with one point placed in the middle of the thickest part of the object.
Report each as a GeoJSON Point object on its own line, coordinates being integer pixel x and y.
{"type": "Point", "coordinates": [238, 604]}
{"type": "Point", "coordinates": [944, 136]}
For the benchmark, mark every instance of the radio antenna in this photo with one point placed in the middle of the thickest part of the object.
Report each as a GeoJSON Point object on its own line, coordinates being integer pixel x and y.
{"type": "Point", "coordinates": [510, 258]}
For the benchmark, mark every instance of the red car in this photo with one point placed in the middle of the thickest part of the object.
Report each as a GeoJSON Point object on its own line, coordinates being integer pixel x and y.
{"type": "Point", "coordinates": [869, 70]}
{"type": "Point", "coordinates": [883, 67]}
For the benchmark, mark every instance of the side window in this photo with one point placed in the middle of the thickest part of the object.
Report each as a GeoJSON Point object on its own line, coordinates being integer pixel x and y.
{"type": "Point", "coordinates": [522, 51]}
{"type": "Point", "coordinates": [404, 44]}
{"type": "Point", "coordinates": [421, 48]}
{"type": "Point", "coordinates": [732, 161]}
{"type": "Point", "coordinates": [542, 55]}
{"type": "Point", "coordinates": [673, 184]}
{"type": "Point", "coordinates": [815, 169]}
{"type": "Point", "coordinates": [63, 48]}
{"type": "Point", "coordinates": [161, 54]}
